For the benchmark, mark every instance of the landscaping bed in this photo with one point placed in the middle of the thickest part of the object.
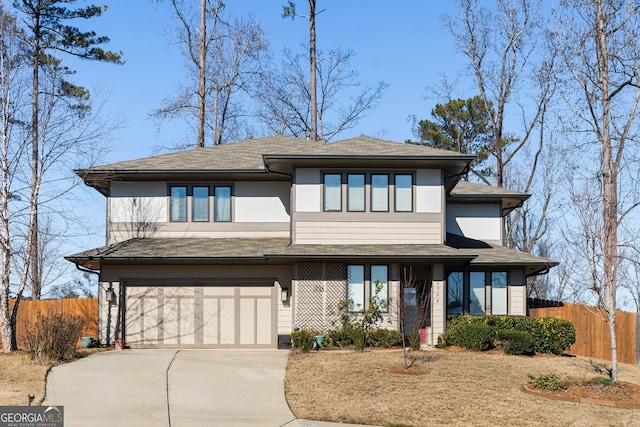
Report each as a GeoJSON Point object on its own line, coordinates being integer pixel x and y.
{"type": "Point", "coordinates": [447, 387]}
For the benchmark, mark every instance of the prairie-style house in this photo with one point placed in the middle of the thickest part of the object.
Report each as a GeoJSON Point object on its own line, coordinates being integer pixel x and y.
{"type": "Point", "coordinates": [236, 245]}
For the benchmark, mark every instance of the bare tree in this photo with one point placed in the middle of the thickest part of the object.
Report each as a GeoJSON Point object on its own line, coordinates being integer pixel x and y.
{"type": "Point", "coordinates": [599, 45]}
{"type": "Point", "coordinates": [224, 59]}
{"type": "Point", "coordinates": [285, 104]}
{"type": "Point", "coordinates": [503, 48]}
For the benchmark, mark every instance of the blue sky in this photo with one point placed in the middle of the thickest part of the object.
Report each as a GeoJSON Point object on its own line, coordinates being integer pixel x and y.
{"type": "Point", "coordinates": [403, 45]}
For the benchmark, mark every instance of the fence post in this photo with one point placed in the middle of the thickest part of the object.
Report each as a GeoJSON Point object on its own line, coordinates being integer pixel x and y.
{"type": "Point", "coordinates": [637, 317]}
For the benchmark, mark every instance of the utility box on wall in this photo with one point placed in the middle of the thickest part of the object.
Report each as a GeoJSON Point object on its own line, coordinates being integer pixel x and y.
{"type": "Point", "coordinates": [284, 341]}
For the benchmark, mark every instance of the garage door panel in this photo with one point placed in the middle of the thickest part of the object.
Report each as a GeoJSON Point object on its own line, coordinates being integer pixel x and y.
{"type": "Point", "coordinates": [199, 316]}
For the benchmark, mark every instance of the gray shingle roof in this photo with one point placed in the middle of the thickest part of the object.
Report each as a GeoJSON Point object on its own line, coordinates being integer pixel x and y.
{"type": "Point", "coordinates": [457, 248]}
{"type": "Point", "coordinates": [248, 154]}
{"type": "Point", "coordinates": [465, 189]}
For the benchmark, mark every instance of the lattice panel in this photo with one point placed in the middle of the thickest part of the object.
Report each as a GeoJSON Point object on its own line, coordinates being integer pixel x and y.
{"type": "Point", "coordinates": [320, 286]}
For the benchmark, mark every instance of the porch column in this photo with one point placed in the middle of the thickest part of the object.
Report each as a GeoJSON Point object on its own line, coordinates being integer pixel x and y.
{"type": "Point", "coordinates": [438, 302]}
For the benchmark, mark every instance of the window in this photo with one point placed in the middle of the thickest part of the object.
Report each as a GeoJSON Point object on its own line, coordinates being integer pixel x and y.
{"type": "Point", "coordinates": [178, 204]}
{"type": "Point", "coordinates": [455, 293]}
{"type": "Point", "coordinates": [476, 292]}
{"type": "Point", "coordinates": [379, 193]}
{"type": "Point", "coordinates": [200, 204]}
{"type": "Point", "coordinates": [332, 192]}
{"type": "Point", "coordinates": [380, 277]}
{"type": "Point", "coordinates": [355, 192]}
{"type": "Point", "coordinates": [404, 193]}
{"type": "Point", "coordinates": [222, 204]}
{"type": "Point", "coordinates": [355, 287]}
{"type": "Point", "coordinates": [499, 293]}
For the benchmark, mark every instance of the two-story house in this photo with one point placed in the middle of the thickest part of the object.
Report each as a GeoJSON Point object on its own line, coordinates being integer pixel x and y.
{"type": "Point", "coordinates": [238, 244]}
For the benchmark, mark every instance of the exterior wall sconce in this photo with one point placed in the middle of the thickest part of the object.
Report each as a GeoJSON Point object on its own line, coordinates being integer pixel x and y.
{"type": "Point", "coordinates": [284, 294]}
{"type": "Point", "coordinates": [110, 295]}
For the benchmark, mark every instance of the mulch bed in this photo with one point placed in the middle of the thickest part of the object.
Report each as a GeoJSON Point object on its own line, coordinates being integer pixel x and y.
{"type": "Point", "coordinates": [622, 395]}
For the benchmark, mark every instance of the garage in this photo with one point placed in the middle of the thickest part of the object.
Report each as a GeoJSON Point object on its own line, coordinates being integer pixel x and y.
{"type": "Point", "coordinates": [200, 316]}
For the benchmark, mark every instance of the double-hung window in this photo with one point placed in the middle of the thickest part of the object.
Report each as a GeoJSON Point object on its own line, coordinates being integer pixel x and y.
{"type": "Point", "coordinates": [178, 203]}
{"type": "Point", "coordinates": [222, 204]}
{"type": "Point", "coordinates": [355, 192]}
{"type": "Point", "coordinates": [332, 192]}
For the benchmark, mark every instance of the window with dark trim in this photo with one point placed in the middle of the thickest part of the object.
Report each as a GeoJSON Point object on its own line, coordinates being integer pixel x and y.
{"type": "Point", "coordinates": [222, 204]}
{"type": "Point", "coordinates": [355, 287]}
{"type": "Point", "coordinates": [355, 192]}
{"type": "Point", "coordinates": [379, 193]}
{"type": "Point", "coordinates": [332, 192]}
{"type": "Point", "coordinates": [200, 204]}
{"type": "Point", "coordinates": [403, 193]}
{"type": "Point", "coordinates": [380, 278]}
{"type": "Point", "coordinates": [178, 203]}
{"type": "Point", "coordinates": [467, 292]}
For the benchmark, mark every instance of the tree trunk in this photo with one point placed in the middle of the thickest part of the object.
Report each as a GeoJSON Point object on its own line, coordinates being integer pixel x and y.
{"type": "Point", "coordinates": [312, 71]}
{"type": "Point", "coordinates": [202, 72]}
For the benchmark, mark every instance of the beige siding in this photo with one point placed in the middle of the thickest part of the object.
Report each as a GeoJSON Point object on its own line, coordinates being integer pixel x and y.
{"type": "Point", "coordinates": [476, 221]}
{"type": "Point", "coordinates": [439, 303]}
{"type": "Point", "coordinates": [362, 232]}
{"type": "Point", "coordinates": [285, 311]}
{"type": "Point", "coordinates": [124, 231]}
{"type": "Point", "coordinates": [517, 294]}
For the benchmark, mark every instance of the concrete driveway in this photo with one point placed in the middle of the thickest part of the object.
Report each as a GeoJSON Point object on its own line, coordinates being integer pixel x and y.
{"type": "Point", "coordinates": [173, 388]}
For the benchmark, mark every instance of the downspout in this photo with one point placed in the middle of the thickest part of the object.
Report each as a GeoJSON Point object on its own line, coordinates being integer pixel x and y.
{"type": "Point", "coordinates": [290, 175]}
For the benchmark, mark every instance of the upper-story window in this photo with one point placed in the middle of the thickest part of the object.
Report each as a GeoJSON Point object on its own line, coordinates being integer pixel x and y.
{"type": "Point", "coordinates": [178, 206]}
{"type": "Point", "coordinates": [200, 204]}
{"type": "Point", "coordinates": [368, 192]}
{"type": "Point", "coordinates": [222, 204]}
{"type": "Point", "coordinates": [404, 193]}
{"type": "Point", "coordinates": [332, 192]}
{"type": "Point", "coordinates": [379, 193]}
{"type": "Point", "coordinates": [193, 202]}
{"type": "Point", "coordinates": [355, 192]}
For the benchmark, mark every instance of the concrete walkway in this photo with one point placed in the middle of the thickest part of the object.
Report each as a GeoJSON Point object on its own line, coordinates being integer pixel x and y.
{"type": "Point", "coordinates": [174, 388]}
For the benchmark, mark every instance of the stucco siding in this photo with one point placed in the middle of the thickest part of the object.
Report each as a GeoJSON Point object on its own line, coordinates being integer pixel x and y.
{"type": "Point", "coordinates": [138, 202]}
{"type": "Point", "coordinates": [364, 232]}
{"type": "Point", "coordinates": [258, 201]}
{"type": "Point", "coordinates": [429, 190]}
{"type": "Point", "coordinates": [308, 191]}
{"type": "Point", "coordinates": [476, 221]}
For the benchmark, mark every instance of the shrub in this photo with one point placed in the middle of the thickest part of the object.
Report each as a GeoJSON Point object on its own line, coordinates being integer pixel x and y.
{"type": "Point", "coordinates": [548, 382]}
{"type": "Point", "coordinates": [550, 334]}
{"type": "Point", "coordinates": [383, 338]}
{"type": "Point", "coordinates": [516, 342]}
{"type": "Point", "coordinates": [604, 381]}
{"type": "Point", "coordinates": [53, 337]}
{"type": "Point", "coordinates": [341, 337]}
{"type": "Point", "coordinates": [475, 337]}
{"type": "Point", "coordinates": [303, 339]}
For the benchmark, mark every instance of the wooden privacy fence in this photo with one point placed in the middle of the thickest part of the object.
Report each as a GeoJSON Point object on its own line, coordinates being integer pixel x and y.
{"type": "Point", "coordinates": [87, 308]}
{"type": "Point", "coordinates": [592, 332]}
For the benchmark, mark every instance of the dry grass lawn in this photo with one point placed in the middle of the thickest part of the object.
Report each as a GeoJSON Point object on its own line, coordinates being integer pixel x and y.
{"type": "Point", "coordinates": [20, 377]}
{"type": "Point", "coordinates": [454, 388]}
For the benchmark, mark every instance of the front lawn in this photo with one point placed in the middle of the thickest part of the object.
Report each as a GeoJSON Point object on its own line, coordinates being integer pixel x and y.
{"type": "Point", "coordinates": [453, 387]}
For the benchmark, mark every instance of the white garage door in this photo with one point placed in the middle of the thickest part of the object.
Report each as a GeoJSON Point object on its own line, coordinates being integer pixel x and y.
{"type": "Point", "coordinates": [200, 316]}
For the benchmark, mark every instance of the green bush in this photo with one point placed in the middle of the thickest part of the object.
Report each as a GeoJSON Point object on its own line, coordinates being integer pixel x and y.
{"type": "Point", "coordinates": [52, 337]}
{"type": "Point", "coordinates": [550, 334]}
{"type": "Point", "coordinates": [550, 382]}
{"type": "Point", "coordinates": [516, 342]}
{"type": "Point", "coordinates": [475, 337]}
{"type": "Point", "coordinates": [303, 339]}
{"type": "Point", "coordinates": [383, 338]}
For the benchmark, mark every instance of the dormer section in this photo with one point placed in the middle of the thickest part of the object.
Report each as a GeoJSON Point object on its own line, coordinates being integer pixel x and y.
{"type": "Point", "coordinates": [477, 211]}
